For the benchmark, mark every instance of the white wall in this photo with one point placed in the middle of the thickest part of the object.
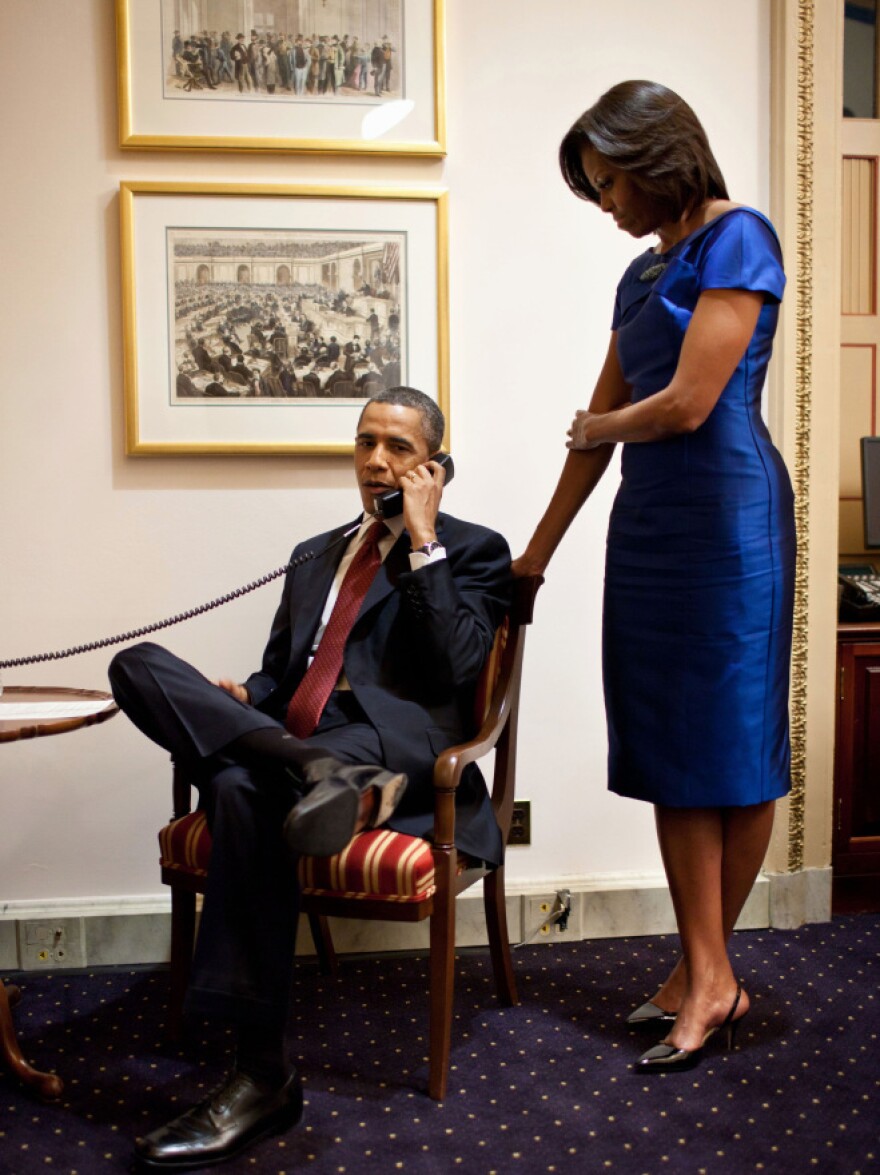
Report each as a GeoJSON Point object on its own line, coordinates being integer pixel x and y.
{"type": "Point", "coordinates": [94, 543]}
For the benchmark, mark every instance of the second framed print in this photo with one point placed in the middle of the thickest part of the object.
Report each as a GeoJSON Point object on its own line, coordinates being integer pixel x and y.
{"type": "Point", "coordinates": [321, 76]}
{"type": "Point", "coordinates": [260, 318]}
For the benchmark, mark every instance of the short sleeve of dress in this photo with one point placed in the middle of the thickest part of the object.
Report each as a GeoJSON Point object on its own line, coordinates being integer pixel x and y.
{"type": "Point", "coordinates": [743, 254]}
{"type": "Point", "coordinates": [627, 284]}
{"type": "Point", "coordinates": [615, 317]}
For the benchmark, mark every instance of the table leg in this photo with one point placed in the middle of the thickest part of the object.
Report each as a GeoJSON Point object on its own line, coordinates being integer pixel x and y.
{"type": "Point", "coordinates": [47, 1085]}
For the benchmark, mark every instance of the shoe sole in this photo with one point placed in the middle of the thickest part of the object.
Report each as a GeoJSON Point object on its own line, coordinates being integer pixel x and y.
{"type": "Point", "coordinates": [324, 822]}
{"type": "Point", "coordinates": [390, 795]}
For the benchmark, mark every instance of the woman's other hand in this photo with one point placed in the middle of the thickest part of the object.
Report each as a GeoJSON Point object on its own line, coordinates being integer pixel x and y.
{"type": "Point", "coordinates": [581, 430]}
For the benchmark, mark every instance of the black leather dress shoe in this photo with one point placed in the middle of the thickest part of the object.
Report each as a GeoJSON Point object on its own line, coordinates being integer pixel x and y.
{"type": "Point", "coordinates": [236, 1115]}
{"type": "Point", "coordinates": [345, 798]}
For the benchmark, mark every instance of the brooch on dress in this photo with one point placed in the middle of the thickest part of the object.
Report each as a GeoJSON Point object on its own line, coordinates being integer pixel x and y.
{"type": "Point", "coordinates": [653, 271]}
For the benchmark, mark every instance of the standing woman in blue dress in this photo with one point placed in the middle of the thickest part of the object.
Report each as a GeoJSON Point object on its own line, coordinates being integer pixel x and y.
{"type": "Point", "coordinates": [700, 560]}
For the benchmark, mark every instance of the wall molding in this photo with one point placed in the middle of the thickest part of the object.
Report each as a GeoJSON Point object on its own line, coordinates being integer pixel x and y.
{"type": "Point", "coordinates": [126, 932]}
{"type": "Point", "coordinates": [804, 399]}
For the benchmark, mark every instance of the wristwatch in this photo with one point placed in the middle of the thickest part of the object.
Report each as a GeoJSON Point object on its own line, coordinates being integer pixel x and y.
{"type": "Point", "coordinates": [428, 548]}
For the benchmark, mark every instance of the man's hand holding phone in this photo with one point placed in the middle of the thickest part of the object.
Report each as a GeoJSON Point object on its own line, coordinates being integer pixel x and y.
{"type": "Point", "coordinates": [422, 490]}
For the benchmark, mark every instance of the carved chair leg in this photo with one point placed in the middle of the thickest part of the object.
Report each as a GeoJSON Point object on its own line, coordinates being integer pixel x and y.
{"type": "Point", "coordinates": [183, 933]}
{"type": "Point", "coordinates": [442, 982]}
{"type": "Point", "coordinates": [323, 939]}
{"type": "Point", "coordinates": [48, 1086]}
{"type": "Point", "coordinates": [499, 940]}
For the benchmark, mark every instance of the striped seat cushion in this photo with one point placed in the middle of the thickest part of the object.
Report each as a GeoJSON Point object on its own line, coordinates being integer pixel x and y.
{"type": "Point", "coordinates": [185, 845]}
{"type": "Point", "coordinates": [380, 864]}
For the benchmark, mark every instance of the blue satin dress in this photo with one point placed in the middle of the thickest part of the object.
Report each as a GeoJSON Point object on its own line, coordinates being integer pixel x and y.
{"type": "Point", "coordinates": [699, 584]}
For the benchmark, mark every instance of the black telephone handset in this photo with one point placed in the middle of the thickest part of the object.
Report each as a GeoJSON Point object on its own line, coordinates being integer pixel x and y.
{"type": "Point", "coordinates": [391, 504]}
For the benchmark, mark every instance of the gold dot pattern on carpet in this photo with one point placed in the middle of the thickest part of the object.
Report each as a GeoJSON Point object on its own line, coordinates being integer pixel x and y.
{"type": "Point", "coordinates": [543, 1087]}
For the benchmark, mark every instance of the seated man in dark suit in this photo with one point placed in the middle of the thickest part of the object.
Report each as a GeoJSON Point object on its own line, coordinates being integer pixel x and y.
{"type": "Point", "coordinates": [217, 388]}
{"type": "Point", "coordinates": [184, 384]}
{"type": "Point", "coordinates": [241, 369]}
{"type": "Point", "coordinates": [368, 674]}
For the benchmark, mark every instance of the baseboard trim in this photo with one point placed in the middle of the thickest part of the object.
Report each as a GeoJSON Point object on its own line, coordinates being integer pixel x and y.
{"type": "Point", "coordinates": [801, 897]}
{"type": "Point", "coordinates": [122, 931]}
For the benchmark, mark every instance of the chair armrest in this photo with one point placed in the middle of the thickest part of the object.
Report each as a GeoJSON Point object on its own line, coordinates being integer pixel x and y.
{"type": "Point", "coordinates": [498, 724]}
{"type": "Point", "coordinates": [449, 766]}
{"type": "Point", "coordinates": [452, 762]}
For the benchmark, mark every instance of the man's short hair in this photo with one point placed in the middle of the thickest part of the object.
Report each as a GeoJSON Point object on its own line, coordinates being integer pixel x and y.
{"type": "Point", "coordinates": [433, 420]}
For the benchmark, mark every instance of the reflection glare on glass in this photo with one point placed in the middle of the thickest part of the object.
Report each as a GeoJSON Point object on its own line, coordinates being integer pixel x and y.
{"type": "Point", "coordinates": [860, 58]}
{"type": "Point", "coordinates": [380, 120]}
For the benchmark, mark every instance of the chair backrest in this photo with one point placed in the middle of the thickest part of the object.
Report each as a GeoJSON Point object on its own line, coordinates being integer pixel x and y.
{"type": "Point", "coordinates": [488, 682]}
{"type": "Point", "coordinates": [344, 389]}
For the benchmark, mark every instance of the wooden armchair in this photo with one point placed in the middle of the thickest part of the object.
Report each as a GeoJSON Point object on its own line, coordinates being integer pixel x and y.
{"type": "Point", "coordinates": [388, 875]}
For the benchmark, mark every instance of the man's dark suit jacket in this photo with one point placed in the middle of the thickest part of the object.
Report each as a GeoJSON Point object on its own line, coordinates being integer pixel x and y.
{"type": "Point", "coordinates": [412, 660]}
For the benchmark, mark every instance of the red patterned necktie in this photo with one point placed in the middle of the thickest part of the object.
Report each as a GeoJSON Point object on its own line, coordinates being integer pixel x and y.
{"type": "Point", "coordinates": [310, 696]}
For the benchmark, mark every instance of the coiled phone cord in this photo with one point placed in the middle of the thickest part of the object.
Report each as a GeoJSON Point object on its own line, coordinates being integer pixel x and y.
{"type": "Point", "coordinates": [156, 626]}
{"type": "Point", "coordinates": [135, 633]}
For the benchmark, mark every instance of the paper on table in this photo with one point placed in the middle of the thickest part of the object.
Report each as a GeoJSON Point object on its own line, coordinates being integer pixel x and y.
{"type": "Point", "coordinates": [42, 711]}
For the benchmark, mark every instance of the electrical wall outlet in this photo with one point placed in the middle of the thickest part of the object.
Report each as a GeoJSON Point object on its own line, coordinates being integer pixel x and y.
{"type": "Point", "coordinates": [521, 823]}
{"type": "Point", "coordinates": [552, 917]}
{"type": "Point", "coordinates": [59, 942]}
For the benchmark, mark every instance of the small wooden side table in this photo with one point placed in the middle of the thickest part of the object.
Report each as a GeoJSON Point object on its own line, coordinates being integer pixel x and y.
{"type": "Point", "coordinates": [92, 707]}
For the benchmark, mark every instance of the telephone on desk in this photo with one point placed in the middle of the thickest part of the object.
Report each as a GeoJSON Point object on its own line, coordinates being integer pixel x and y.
{"type": "Point", "coordinates": [859, 593]}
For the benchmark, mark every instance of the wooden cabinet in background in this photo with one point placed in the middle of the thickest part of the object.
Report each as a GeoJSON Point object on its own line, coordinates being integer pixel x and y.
{"type": "Point", "coordinates": [855, 854]}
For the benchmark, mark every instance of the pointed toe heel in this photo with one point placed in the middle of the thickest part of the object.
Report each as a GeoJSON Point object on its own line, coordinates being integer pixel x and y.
{"type": "Point", "coordinates": [668, 1058]}
{"type": "Point", "coordinates": [650, 1013]}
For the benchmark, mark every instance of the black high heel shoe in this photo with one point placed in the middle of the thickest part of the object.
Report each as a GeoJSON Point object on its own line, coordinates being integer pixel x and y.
{"type": "Point", "coordinates": [650, 1014]}
{"type": "Point", "coordinates": [667, 1058]}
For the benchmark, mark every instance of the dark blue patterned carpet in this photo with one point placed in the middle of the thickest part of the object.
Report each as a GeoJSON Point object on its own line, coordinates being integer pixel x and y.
{"type": "Point", "coordinates": [545, 1087]}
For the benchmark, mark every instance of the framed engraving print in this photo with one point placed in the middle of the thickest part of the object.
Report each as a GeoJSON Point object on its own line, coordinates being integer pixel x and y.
{"type": "Point", "coordinates": [320, 76]}
{"type": "Point", "coordinates": [260, 318]}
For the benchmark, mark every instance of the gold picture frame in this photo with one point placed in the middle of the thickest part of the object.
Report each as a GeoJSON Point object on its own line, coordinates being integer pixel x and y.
{"type": "Point", "coordinates": [180, 90]}
{"type": "Point", "coordinates": [258, 318]}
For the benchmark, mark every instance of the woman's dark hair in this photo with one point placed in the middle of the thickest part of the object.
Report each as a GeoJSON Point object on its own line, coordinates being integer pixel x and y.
{"type": "Point", "coordinates": [649, 131]}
